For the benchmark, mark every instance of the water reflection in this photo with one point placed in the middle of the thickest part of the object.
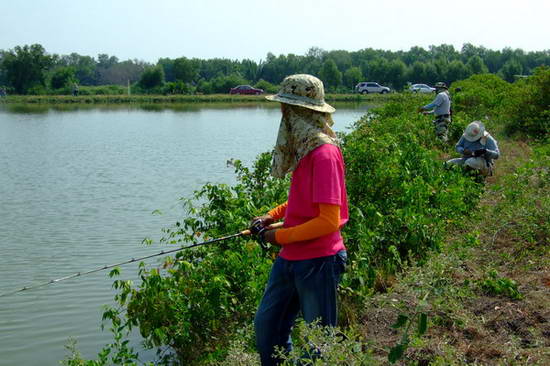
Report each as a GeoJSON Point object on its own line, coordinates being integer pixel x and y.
{"type": "Point", "coordinates": [30, 108]}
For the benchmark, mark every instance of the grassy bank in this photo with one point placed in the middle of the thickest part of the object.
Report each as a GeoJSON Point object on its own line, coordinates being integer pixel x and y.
{"type": "Point", "coordinates": [444, 268]}
{"type": "Point", "coordinates": [166, 99]}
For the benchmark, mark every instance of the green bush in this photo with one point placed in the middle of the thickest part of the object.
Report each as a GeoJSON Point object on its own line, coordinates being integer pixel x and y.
{"type": "Point", "coordinates": [480, 94]}
{"type": "Point", "coordinates": [103, 90]}
{"type": "Point", "coordinates": [402, 197]}
{"type": "Point", "coordinates": [528, 109]}
{"type": "Point", "coordinates": [222, 84]}
{"type": "Point", "coordinates": [178, 87]}
{"type": "Point", "coordinates": [267, 86]}
{"type": "Point", "coordinates": [152, 78]}
{"type": "Point", "coordinates": [63, 77]}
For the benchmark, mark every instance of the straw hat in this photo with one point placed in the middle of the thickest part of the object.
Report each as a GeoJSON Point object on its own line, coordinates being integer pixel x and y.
{"type": "Point", "coordinates": [303, 90]}
{"type": "Point", "coordinates": [474, 131]}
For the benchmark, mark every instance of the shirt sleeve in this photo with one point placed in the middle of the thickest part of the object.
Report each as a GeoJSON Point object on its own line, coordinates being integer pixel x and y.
{"type": "Point", "coordinates": [460, 146]}
{"type": "Point", "coordinates": [327, 222]}
{"type": "Point", "coordinates": [492, 148]}
{"type": "Point", "coordinates": [436, 102]}
{"type": "Point", "coordinates": [278, 212]}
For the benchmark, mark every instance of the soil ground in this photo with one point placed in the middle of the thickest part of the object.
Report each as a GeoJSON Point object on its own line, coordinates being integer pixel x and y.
{"type": "Point", "coordinates": [467, 324]}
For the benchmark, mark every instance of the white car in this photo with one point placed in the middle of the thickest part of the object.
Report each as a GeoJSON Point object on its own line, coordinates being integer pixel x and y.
{"type": "Point", "coordinates": [421, 88]}
{"type": "Point", "coordinates": [371, 87]}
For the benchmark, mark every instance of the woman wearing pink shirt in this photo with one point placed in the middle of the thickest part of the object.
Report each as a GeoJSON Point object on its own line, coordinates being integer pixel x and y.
{"type": "Point", "coordinates": [305, 275]}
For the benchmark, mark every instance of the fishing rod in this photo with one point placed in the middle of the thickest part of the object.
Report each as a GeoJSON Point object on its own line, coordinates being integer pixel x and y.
{"type": "Point", "coordinates": [79, 274]}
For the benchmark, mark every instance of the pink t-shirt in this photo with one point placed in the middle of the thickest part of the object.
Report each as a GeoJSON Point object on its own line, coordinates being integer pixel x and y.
{"type": "Point", "coordinates": [318, 178]}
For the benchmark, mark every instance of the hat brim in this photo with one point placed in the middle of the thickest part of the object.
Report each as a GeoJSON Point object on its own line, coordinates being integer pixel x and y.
{"type": "Point", "coordinates": [481, 133]}
{"type": "Point", "coordinates": [325, 108]}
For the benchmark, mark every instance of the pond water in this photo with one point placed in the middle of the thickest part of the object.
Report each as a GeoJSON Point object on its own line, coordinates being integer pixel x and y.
{"type": "Point", "coordinates": [78, 187]}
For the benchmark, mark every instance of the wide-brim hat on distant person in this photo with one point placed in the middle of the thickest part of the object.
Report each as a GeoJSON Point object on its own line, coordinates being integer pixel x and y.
{"type": "Point", "coordinates": [440, 85]}
{"type": "Point", "coordinates": [303, 90]}
{"type": "Point", "coordinates": [474, 131]}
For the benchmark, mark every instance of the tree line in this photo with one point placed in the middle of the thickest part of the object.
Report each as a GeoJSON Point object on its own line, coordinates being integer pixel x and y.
{"type": "Point", "coordinates": [29, 69]}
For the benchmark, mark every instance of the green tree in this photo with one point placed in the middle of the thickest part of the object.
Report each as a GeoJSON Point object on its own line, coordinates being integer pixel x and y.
{"type": "Point", "coordinates": [184, 70]}
{"type": "Point", "coordinates": [352, 77]}
{"type": "Point", "coordinates": [457, 71]}
{"type": "Point", "coordinates": [396, 74]}
{"type": "Point", "coordinates": [168, 68]}
{"type": "Point", "coordinates": [511, 67]}
{"type": "Point", "coordinates": [331, 76]}
{"type": "Point", "coordinates": [84, 66]}
{"type": "Point", "coordinates": [105, 61]}
{"type": "Point", "coordinates": [222, 84]}
{"type": "Point", "coordinates": [62, 77]}
{"type": "Point", "coordinates": [122, 72]}
{"type": "Point", "coordinates": [476, 65]}
{"type": "Point", "coordinates": [417, 73]}
{"type": "Point", "coordinates": [377, 70]}
{"type": "Point", "coordinates": [152, 77]}
{"type": "Point", "coordinates": [25, 67]}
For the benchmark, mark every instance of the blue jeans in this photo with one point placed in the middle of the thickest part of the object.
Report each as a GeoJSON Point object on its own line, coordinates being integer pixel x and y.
{"type": "Point", "coordinates": [308, 286]}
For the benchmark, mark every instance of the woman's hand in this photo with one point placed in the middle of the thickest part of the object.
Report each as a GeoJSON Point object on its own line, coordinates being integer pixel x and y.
{"type": "Point", "coordinates": [269, 237]}
{"type": "Point", "coordinates": [266, 220]}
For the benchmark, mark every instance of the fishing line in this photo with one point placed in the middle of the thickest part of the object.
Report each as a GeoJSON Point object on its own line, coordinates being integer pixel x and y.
{"type": "Point", "coordinates": [79, 274]}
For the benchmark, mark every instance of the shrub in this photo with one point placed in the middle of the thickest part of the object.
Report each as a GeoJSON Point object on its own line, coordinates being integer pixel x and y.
{"type": "Point", "coordinates": [178, 87]}
{"type": "Point", "coordinates": [528, 109]}
{"type": "Point", "coordinates": [63, 77]}
{"type": "Point", "coordinates": [480, 94]}
{"type": "Point", "coordinates": [222, 84]}
{"type": "Point", "coordinates": [151, 78]}
{"type": "Point", "coordinates": [267, 86]}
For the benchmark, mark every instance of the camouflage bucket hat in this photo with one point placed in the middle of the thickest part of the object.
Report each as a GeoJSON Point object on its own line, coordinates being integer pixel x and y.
{"type": "Point", "coordinates": [440, 85]}
{"type": "Point", "coordinates": [303, 90]}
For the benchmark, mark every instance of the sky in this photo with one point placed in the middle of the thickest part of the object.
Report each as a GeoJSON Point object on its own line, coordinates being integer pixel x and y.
{"type": "Point", "coordinates": [245, 29]}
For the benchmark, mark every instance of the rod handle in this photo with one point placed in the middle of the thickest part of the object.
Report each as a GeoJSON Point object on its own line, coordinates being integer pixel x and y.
{"type": "Point", "coordinates": [276, 225]}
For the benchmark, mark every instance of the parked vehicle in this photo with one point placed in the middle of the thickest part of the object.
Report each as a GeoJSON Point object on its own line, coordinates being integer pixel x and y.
{"type": "Point", "coordinates": [245, 89]}
{"type": "Point", "coordinates": [371, 87]}
{"type": "Point", "coordinates": [421, 88]}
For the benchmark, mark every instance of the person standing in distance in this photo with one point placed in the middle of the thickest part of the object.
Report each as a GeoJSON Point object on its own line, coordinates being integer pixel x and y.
{"type": "Point", "coordinates": [441, 108]}
{"type": "Point", "coordinates": [306, 273]}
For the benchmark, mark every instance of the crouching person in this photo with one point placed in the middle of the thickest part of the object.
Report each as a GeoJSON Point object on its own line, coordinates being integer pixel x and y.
{"type": "Point", "coordinates": [478, 149]}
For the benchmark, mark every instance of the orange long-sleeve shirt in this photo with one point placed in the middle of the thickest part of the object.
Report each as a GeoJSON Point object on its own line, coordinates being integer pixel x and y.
{"type": "Point", "coordinates": [327, 222]}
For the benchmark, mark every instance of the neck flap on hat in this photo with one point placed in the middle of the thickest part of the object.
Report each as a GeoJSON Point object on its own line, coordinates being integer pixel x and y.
{"type": "Point", "coordinates": [301, 131]}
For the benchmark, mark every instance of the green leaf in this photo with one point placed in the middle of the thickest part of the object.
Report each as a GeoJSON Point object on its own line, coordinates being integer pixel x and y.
{"type": "Point", "coordinates": [422, 323]}
{"type": "Point", "coordinates": [114, 272]}
{"type": "Point", "coordinates": [396, 353]}
{"type": "Point", "coordinates": [401, 321]}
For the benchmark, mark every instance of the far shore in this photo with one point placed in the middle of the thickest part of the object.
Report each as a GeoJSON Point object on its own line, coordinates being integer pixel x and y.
{"type": "Point", "coordinates": [166, 99]}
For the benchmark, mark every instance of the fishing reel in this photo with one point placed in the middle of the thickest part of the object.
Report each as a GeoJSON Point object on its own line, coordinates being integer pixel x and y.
{"type": "Point", "coordinates": [258, 229]}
